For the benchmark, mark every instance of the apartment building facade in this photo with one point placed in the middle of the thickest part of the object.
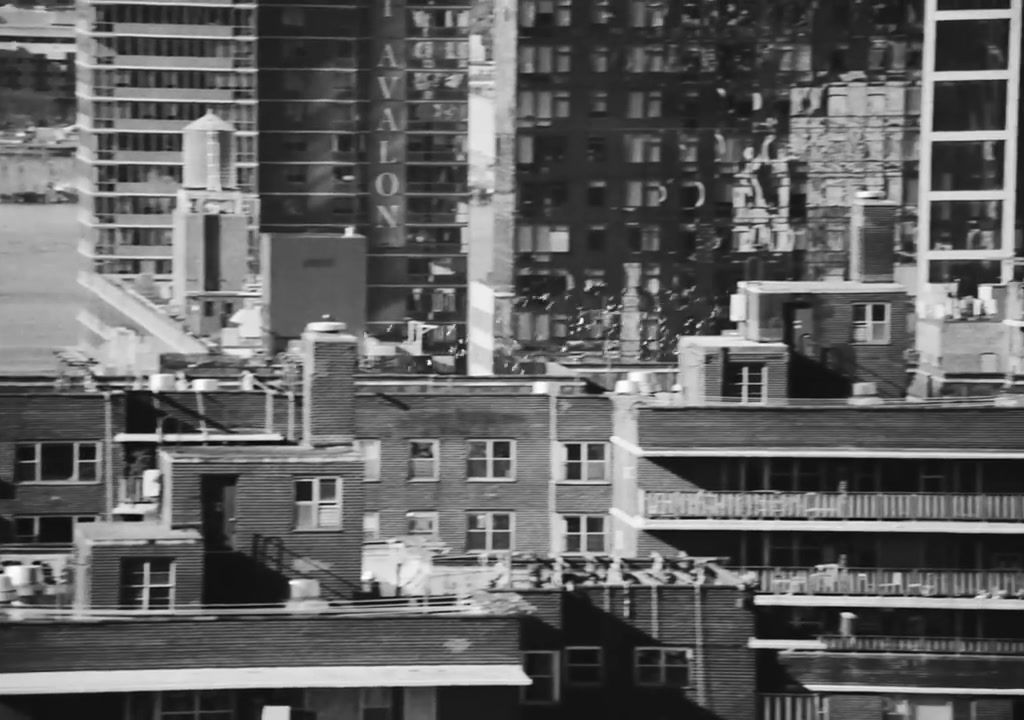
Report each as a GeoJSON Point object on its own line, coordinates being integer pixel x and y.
{"type": "Point", "coordinates": [143, 73]}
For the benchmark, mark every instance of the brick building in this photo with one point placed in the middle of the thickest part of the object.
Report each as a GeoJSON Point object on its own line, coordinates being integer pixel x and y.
{"type": "Point", "coordinates": [215, 513]}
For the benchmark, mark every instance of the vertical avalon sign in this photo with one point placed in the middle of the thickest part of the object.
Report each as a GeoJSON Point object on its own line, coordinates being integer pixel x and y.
{"type": "Point", "coordinates": [388, 121]}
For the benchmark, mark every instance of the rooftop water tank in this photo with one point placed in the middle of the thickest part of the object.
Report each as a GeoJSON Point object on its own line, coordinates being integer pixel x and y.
{"type": "Point", "coordinates": [208, 149]}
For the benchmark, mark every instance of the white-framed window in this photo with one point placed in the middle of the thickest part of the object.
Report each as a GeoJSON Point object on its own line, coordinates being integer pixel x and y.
{"type": "Point", "coordinates": [197, 705]}
{"type": "Point", "coordinates": [424, 460]}
{"type": "Point", "coordinates": [872, 323]}
{"type": "Point", "coordinates": [371, 525]}
{"type": "Point", "coordinates": [583, 533]}
{"type": "Point", "coordinates": [585, 462]}
{"type": "Point", "coordinates": [491, 460]}
{"type": "Point", "coordinates": [58, 529]}
{"type": "Point", "coordinates": [490, 531]}
{"type": "Point", "coordinates": [318, 504]}
{"type": "Point", "coordinates": [662, 666]}
{"type": "Point", "coordinates": [746, 382]}
{"type": "Point", "coordinates": [376, 703]}
{"type": "Point", "coordinates": [421, 522]}
{"type": "Point", "coordinates": [584, 666]}
{"type": "Point", "coordinates": [643, 148]}
{"type": "Point", "coordinates": [147, 583]}
{"type": "Point", "coordinates": [370, 450]}
{"type": "Point", "coordinates": [542, 668]}
{"type": "Point", "coordinates": [56, 462]}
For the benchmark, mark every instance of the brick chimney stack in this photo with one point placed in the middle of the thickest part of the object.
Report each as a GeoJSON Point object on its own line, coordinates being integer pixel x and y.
{"type": "Point", "coordinates": [330, 358]}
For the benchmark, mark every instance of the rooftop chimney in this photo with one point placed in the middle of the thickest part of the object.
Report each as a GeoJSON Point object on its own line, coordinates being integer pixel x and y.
{"type": "Point", "coordinates": [330, 358]}
{"type": "Point", "coordinates": [872, 238]}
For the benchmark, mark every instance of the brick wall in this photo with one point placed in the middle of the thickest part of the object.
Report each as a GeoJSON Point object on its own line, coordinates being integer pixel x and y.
{"type": "Point", "coordinates": [884, 364]}
{"type": "Point", "coordinates": [64, 417]}
{"type": "Point", "coordinates": [328, 408]}
{"type": "Point", "coordinates": [264, 506]}
{"type": "Point", "coordinates": [453, 420]}
{"type": "Point", "coordinates": [896, 427]}
{"type": "Point", "coordinates": [854, 707]}
{"type": "Point", "coordinates": [259, 642]}
{"type": "Point", "coordinates": [106, 575]}
{"type": "Point", "coordinates": [919, 670]}
{"type": "Point", "coordinates": [621, 619]}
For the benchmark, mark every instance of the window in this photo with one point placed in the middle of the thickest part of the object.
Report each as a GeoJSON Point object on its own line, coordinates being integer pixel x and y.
{"type": "Point", "coordinates": [56, 462]}
{"type": "Point", "coordinates": [662, 666]}
{"type": "Point", "coordinates": [643, 238]}
{"type": "Point", "coordinates": [318, 504]}
{"type": "Point", "coordinates": [585, 462]}
{"type": "Point", "coordinates": [597, 193]}
{"type": "Point", "coordinates": [644, 104]}
{"type": "Point", "coordinates": [371, 526]}
{"type": "Point", "coordinates": [197, 705]}
{"type": "Point", "coordinates": [746, 382]}
{"type": "Point", "coordinates": [645, 193]}
{"type": "Point", "coordinates": [376, 703]}
{"type": "Point", "coordinates": [542, 668]}
{"type": "Point", "coordinates": [871, 323]}
{"type": "Point", "coordinates": [48, 528]}
{"type": "Point", "coordinates": [643, 148]}
{"type": "Point", "coordinates": [598, 103]}
{"type": "Point", "coordinates": [491, 460]}
{"type": "Point", "coordinates": [584, 666]}
{"type": "Point", "coordinates": [489, 531]}
{"type": "Point", "coordinates": [147, 584]}
{"type": "Point", "coordinates": [371, 459]}
{"type": "Point", "coordinates": [599, 59]}
{"type": "Point", "coordinates": [583, 533]}
{"type": "Point", "coordinates": [421, 522]}
{"type": "Point", "coordinates": [424, 460]}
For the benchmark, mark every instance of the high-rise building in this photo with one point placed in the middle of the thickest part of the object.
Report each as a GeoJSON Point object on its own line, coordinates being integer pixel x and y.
{"type": "Point", "coordinates": [362, 110]}
{"type": "Point", "coordinates": [144, 72]}
{"type": "Point", "coordinates": [706, 143]}
{"type": "Point", "coordinates": [969, 139]}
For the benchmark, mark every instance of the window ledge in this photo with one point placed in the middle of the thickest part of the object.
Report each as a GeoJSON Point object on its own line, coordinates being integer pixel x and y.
{"type": "Point", "coordinates": [56, 482]}
{"type": "Point", "coordinates": [317, 530]}
{"type": "Point", "coordinates": [424, 480]}
{"type": "Point", "coordinates": [598, 483]}
{"type": "Point", "coordinates": [490, 480]}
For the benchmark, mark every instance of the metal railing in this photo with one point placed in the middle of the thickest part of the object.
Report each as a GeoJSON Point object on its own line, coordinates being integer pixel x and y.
{"type": "Point", "coordinates": [272, 552]}
{"type": "Point", "coordinates": [778, 505]}
{"type": "Point", "coordinates": [940, 645]}
{"type": "Point", "coordinates": [778, 706]}
{"type": "Point", "coordinates": [829, 580]}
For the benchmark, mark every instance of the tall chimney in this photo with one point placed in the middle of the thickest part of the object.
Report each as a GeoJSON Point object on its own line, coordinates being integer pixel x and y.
{"type": "Point", "coordinates": [330, 358]}
{"type": "Point", "coordinates": [629, 334]}
{"type": "Point", "coordinates": [873, 238]}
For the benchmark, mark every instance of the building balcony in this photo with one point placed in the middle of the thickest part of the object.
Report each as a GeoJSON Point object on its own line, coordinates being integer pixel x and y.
{"type": "Point", "coordinates": [937, 645]}
{"type": "Point", "coordinates": [871, 512]}
{"type": "Point", "coordinates": [784, 585]}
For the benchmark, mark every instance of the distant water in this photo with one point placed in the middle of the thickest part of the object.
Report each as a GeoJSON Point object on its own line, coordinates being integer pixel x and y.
{"type": "Point", "coordinates": [39, 292]}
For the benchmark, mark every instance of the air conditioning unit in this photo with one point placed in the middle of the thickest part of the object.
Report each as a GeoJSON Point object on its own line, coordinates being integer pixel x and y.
{"type": "Point", "coordinates": [151, 484]}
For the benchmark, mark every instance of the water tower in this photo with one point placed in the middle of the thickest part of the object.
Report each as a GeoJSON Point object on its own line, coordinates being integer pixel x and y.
{"type": "Point", "coordinates": [211, 230]}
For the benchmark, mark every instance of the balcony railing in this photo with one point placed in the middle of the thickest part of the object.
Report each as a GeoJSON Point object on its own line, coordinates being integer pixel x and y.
{"type": "Point", "coordinates": [942, 645]}
{"type": "Point", "coordinates": [829, 580]}
{"type": "Point", "coordinates": [777, 505]}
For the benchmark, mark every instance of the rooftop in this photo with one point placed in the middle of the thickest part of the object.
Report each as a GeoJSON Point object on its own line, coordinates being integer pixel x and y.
{"type": "Point", "coordinates": [728, 341]}
{"type": "Point", "coordinates": [264, 453]}
{"type": "Point", "coordinates": [112, 532]}
{"type": "Point", "coordinates": [820, 287]}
